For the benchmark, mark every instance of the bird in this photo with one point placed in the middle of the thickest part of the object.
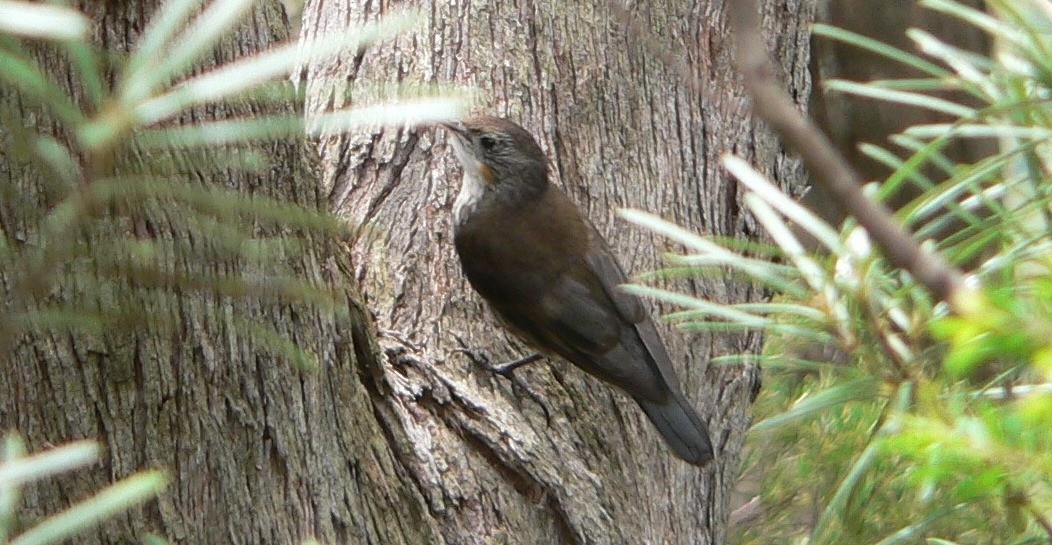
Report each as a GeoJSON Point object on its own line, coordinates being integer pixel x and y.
{"type": "Point", "coordinates": [550, 277]}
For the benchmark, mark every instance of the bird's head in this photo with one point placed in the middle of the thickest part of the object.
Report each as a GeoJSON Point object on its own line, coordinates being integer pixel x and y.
{"type": "Point", "coordinates": [499, 153]}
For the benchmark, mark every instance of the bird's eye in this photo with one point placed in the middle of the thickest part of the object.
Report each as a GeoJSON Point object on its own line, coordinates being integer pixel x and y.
{"type": "Point", "coordinates": [488, 143]}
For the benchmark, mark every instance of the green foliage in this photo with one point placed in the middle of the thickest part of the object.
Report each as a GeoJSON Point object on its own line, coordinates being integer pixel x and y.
{"type": "Point", "coordinates": [888, 417]}
{"type": "Point", "coordinates": [119, 207]}
{"type": "Point", "coordinates": [17, 470]}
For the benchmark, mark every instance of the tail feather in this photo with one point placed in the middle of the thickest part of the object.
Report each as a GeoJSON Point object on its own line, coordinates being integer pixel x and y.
{"type": "Point", "coordinates": [681, 427]}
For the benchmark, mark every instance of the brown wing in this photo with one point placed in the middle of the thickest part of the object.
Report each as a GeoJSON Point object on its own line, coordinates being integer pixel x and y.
{"type": "Point", "coordinates": [611, 277]}
{"type": "Point", "coordinates": [578, 320]}
{"type": "Point", "coordinates": [555, 283]}
{"type": "Point", "coordinates": [587, 318]}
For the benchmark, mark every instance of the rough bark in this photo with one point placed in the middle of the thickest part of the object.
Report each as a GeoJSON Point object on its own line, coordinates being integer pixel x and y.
{"type": "Point", "coordinates": [575, 462]}
{"type": "Point", "coordinates": [257, 451]}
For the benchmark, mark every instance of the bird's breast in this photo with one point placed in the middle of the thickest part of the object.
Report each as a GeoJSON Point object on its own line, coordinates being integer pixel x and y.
{"type": "Point", "coordinates": [472, 189]}
{"type": "Point", "coordinates": [515, 250]}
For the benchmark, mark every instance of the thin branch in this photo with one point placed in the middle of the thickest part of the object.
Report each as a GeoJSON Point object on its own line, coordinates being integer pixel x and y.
{"type": "Point", "coordinates": [746, 514]}
{"type": "Point", "coordinates": [1042, 521]}
{"type": "Point", "coordinates": [773, 105]}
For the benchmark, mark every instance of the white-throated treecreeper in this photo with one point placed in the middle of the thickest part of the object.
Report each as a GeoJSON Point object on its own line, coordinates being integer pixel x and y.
{"type": "Point", "coordinates": [549, 275]}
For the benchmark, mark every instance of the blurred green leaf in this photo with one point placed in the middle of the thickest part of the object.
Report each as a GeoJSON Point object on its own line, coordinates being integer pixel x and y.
{"type": "Point", "coordinates": [16, 472]}
{"type": "Point", "coordinates": [859, 389]}
{"type": "Point", "coordinates": [880, 48]}
{"type": "Point", "coordinates": [112, 500]}
{"type": "Point", "coordinates": [900, 97]}
{"type": "Point", "coordinates": [22, 73]}
{"type": "Point", "coordinates": [36, 20]}
{"type": "Point", "coordinates": [244, 74]}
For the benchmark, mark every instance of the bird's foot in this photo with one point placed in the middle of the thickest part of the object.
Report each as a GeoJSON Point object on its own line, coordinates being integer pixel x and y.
{"type": "Point", "coordinates": [507, 370]}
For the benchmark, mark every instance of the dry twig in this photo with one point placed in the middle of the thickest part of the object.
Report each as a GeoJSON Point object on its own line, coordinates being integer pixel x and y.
{"type": "Point", "coordinates": [774, 106]}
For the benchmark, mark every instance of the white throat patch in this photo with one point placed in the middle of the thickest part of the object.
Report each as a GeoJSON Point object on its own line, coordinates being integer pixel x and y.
{"type": "Point", "coordinates": [472, 187]}
{"type": "Point", "coordinates": [471, 190]}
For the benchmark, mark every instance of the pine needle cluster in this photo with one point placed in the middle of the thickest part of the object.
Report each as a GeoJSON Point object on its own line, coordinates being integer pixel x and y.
{"type": "Point", "coordinates": [889, 416]}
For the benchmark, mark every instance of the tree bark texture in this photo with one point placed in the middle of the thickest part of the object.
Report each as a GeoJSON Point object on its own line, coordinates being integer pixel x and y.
{"type": "Point", "coordinates": [555, 456]}
{"type": "Point", "coordinates": [257, 451]}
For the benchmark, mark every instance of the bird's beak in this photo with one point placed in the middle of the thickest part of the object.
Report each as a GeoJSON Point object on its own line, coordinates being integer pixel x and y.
{"type": "Point", "coordinates": [460, 140]}
{"type": "Point", "coordinates": [457, 128]}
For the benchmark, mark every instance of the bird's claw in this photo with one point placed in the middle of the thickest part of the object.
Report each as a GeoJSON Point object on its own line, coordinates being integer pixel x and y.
{"type": "Point", "coordinates": [507, 370]}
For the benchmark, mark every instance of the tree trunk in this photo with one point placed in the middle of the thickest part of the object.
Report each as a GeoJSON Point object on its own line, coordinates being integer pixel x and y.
{"type": "Point", "coordinates": [257, 451]}
{"type": "Point", "coordinates": [556, 457]}
{"type": "Point", "coordinates": [405, 440]}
